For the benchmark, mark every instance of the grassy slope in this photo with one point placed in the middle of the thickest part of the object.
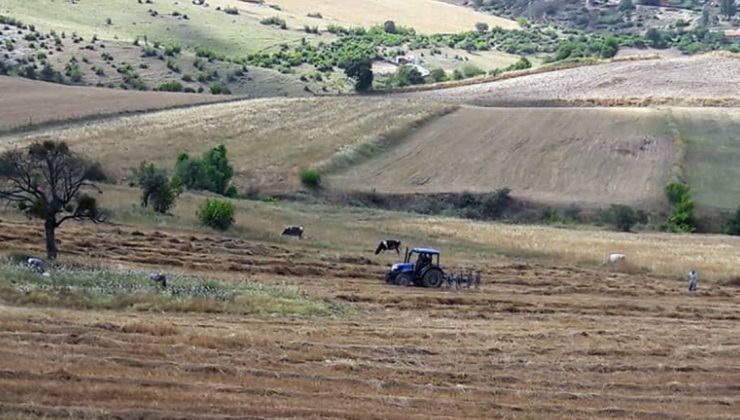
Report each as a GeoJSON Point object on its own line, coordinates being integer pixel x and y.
{"type": "Point", "coordinates": [426, 16]}
{"type": "Point", "coordinates": [712, 154]}
{"type": "Point", "coordinates": [234, 35]}
{"type": "Point", "coordinates": [563, 155]}
{"type": "Point", "coordinates": [269, 141]}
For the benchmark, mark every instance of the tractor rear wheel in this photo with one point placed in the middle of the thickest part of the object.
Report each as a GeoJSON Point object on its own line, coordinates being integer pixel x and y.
{"type": "Point", "coordinates": [404, 280]}
{"type": "Point", "coordinates": [433, 278]}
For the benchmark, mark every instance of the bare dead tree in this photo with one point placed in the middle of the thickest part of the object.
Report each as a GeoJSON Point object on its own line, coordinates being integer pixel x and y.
{"type": "Point", "coordinates": [46, 181]}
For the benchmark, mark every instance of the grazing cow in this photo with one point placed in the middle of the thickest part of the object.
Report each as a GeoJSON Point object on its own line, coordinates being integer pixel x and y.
{"type": "Point", "coordinates": [36, 265]}
{"type": "Point", "coordinates": [158, 278]}
{"type": "Point", "coordinates": [389, 245]}
{"type": "Point", "coordinates": [293, 231]}
{"type": "Point", "coordinates": [615, 258]}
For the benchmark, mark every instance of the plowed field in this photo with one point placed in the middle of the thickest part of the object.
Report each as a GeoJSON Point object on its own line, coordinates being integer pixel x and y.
{"type": "Point", "coordinates": [537, 340]}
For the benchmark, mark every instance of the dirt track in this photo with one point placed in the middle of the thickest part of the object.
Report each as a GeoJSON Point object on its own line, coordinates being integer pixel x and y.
{"type": "Point", "coordinates": [536, 341]}
{"type": "Point", "coordinates": [696, 80]}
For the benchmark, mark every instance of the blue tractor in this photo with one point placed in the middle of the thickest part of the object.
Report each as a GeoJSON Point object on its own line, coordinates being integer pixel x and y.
{"type": "Point", "coordinates": [425, 271]}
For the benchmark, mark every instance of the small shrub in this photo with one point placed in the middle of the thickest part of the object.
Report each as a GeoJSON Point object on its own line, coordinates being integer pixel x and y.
{"type": "Point", "coordinates": [216, 214]}
{"type": "Point", "coordinates": [218, 88]}
{"type": "Point", "coordinates": [733, 224]}
{"type": "Point", "coordinates": [171, 86]}
{"type": "Point", "coordinates": [623, 217]}
{"type": "Point", "coordinates": [311, 178]}
{"type": "Point", "coordinates": [231, 10]}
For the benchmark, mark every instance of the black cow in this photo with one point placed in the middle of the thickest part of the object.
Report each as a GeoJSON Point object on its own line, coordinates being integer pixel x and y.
{"type": "Point", "coordinates": [293, 231]}
{"type": "Point", "coordinates": [389, 245]}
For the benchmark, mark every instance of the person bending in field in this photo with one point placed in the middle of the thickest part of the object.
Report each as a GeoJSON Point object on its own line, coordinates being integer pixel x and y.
{"type": "Point", "coordinates": [693, 279]}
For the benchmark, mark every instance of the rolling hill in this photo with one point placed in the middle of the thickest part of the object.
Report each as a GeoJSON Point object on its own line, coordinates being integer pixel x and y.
{"type": "Point", "coordinates": [694, 80]}
{"type": "Point", "coordinates": [29, 102]}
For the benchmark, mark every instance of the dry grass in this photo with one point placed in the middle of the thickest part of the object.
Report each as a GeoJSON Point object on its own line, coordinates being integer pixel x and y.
{"type": "Point", "coordinates": [551, 155]}
{"type": "Point", "coordinates": [538, 340]}
{"type": "Point", "coordinates": [269, 141]}
{"type": "Point", "coordinates": [714, 256]}
{"type": "Point", "coordinates": [27, 102]}
{"type": "Point", "coordinates": [155, 328]}
{"type": "Point", "coordinates": [437, 17]}
{"type": "Point", "coordinates": [681, 81]}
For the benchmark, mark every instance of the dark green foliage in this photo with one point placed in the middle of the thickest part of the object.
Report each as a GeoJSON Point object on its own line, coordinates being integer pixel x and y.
{"type": "Point", "coordinates": [171, 86]}
{"type": "Point", "coordinates": [493, 205]}
{"type": "Point", "coordinates": [682, 219]}
{"type": "Point", "coordinates": [481, 27]}
{"type": "Point", "coordinates": [655, 38]}
{"type": "Point", "coordinates": [210, 173]}
{"type": "Point", "coordinates": [406, 76]}
{"type": "Point", "coordinates": [728, 8]}
{"type": "Point", "coordinates": [361, 72]}
{"type": "Point", "coordinates": [94, 172]}
{"type": "Point", "coordinates": [675, 192]}
{"type": "Point", "coordinates": [156, 188]}
{"type": "Point", "coordinates": [172, 50]}
{"type": "Point", "coordinates": [50, 75]}
{"type": "Point", "coordinates": [609, 47]}
{"type": "Point", "coordinates": [219, 88]}
{"type": "Point", "coordinates": [275, 21]}
{"type": "Point", "coordinates": [470, 70]}
{"type": "Point", "coordinates": [390, 27]}
{"type": "Point", "coordinates": [572, 213]}
{"type": "Point", "coordinates": [231, 10]}
{"type": "Point", "coordinates": [311, 178]}
{"type": "Point", "coordinates": [216, 214]}
{"type": "Point", "coordinates": [623, 217]}
{"type": "Point", "coordinates": [437, 75]}
{"type": "Point", "coordinates": [733, 224]}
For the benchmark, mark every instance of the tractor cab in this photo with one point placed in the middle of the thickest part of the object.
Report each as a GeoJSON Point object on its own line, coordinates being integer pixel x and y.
{"type": "Point", "coordinates": [420, 267]}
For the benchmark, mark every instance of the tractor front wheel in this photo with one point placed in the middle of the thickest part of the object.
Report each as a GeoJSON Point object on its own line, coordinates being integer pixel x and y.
{"type": "Point", "coordinates": [404, 280]}
{"type": "Point", "coordinates": [433, 278]}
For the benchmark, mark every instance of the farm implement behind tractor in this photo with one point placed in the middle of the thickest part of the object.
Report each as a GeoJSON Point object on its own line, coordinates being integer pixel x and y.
{"type": "Point", "coordinates": [425, 271]}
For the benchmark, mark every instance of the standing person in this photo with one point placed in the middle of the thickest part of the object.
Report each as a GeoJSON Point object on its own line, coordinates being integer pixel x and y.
{"type": "Point", "coordinates": [693, 279]}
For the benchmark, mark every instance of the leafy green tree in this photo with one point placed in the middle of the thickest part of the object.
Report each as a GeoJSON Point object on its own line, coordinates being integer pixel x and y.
{"type": "Point", "coordinates": [609, 47]}
{"type": "Point", "coordinates": [156, 188]}
{"type": "Point", "coordinates": [362, 73]}
{"type": "Point", "coordinates": [47, 181]}
{"type": "Point", "coordinates": [481, 27]}
{"type": "Point", "coordinates": [682, 219]}
{"type": "Point", "coordinates": [210, 173]}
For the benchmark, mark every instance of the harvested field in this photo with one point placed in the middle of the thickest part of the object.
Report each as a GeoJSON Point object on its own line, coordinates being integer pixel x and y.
{"type": "Point", "coordinates": [28, 102]}
{"type": "Point", "coordinates": [268, 141]}
{"type": "Point", "coordinates": [437, 17]}
{"type": "Point", "coordinates": [692, 81]}
{"type": "Point", "coordinates": [537, 340]}
{"type": "Point", "coordinates": [554, 155]}
{"type": "Point", "coordinates": [559, 156]}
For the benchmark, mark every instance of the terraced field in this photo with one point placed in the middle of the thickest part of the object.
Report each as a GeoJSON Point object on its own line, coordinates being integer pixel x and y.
{"type": "Point", "coordinates": [537, 340]}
